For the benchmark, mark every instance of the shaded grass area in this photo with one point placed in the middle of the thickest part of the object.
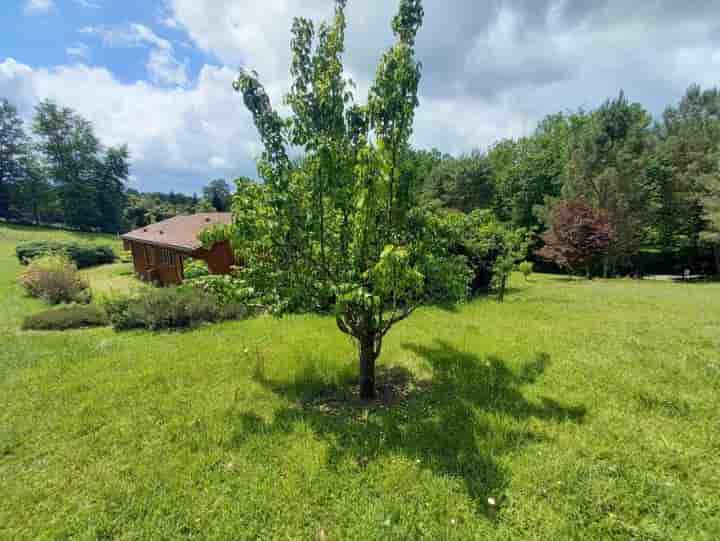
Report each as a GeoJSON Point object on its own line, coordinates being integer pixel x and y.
{"type": "Point", "coordinates": [583, 410]}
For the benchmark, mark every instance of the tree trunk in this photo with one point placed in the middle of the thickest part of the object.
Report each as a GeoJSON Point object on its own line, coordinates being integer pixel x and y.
{"type": "Point", "coordinates": [36, 213]}
{"type": "Point", "coordinates": [368, 356]}
{"type": "Point", "coordinates": [501, 289]}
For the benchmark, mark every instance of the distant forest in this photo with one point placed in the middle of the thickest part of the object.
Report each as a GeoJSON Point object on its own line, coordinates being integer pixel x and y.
{"type": "Point", "coordinates": [58, 172]}
{"type": "Point", "coordinates": [657, 179]}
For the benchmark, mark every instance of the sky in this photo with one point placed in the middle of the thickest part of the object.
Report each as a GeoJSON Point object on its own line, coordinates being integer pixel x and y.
{"type": "Point", "coordinates": [158, 75]}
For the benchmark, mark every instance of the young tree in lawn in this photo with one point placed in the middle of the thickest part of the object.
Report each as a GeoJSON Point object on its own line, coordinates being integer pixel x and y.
{"type": "Point", "coordinates": [13, 150]}
{"type": "Point", "coordinates": [335, 224]}
{"type": "Point", "coordinates": [513, 246]}
{"type": "Point", "coordinates": [578, 237]}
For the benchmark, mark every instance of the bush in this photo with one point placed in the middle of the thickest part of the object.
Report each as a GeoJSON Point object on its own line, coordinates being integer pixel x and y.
{"type": "Point", "coordinates": [170, 308]}
{"type": "Point", "coordinates": [526, 268]}
{"type": "Point", "coordinates": [227, 289]}
{"type": "Point", "coordinates": [55, 279]}
{"type": "Point", "coordinates": [70, 317]}
{"type": "Point", "coordinates": [83, 255]}
{"type": "Point", "coordinates": [195, 269]}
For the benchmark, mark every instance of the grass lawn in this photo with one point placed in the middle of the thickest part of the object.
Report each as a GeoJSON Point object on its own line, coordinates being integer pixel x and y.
{"type": "Point", "coordinates": [583, 410]}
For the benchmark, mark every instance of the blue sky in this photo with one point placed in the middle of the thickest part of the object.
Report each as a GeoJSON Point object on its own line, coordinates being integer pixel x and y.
{"type": "Point", "coordinates": [158, 75]}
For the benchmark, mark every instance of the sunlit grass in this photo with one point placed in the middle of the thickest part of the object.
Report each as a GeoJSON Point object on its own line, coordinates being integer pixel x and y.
{"type": "Point", "coordinates": [583, 410]}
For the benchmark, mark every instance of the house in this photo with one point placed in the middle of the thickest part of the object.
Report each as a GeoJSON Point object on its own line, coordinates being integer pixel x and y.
{"type": "Point", "coordinates": [158, 250]}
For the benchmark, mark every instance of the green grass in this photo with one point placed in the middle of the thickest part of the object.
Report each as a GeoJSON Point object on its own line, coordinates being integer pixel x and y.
{"type": "Point", "coordinates": [586, 410]}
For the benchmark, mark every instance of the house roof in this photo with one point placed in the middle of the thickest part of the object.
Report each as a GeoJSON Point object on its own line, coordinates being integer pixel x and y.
{"type": "Point", "coordinates": [178, 233]}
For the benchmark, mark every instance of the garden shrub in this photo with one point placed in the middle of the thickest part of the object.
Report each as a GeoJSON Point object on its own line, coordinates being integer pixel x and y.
{"type": "Point", "coordinates": [83, 255]}
{"type": "Point", "coordinates": [55, 279]}
{"type": "Point", "coordinates": [227, 289]}
{"type": "Point", "coordinates": [65, 318]}
{"type": "Point", "coordinates": [170, 308]}
{"type": "Point", "coordinates": [195, 268]}
{"type": "Point", "coordinates": [526, 268]}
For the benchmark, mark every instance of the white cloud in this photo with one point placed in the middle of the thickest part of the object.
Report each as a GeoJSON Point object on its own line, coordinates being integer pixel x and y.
{"type": "Point", "coordinates": [177, 136]}
{"type": "Point", "coordinates": [36, 7]}
{"type": "Point", "coordinates": [162, 66]}
{"type": "Point", "coordinates": [90, 4]}
{"type": "Point", "coordinates": [490, 70]}
{"type": "Point", "coordinates": [78, 50]}
{"type": "Point", "coordinates": [217, 162]}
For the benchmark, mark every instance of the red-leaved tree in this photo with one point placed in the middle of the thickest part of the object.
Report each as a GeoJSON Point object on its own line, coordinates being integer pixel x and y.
{"type": "Point", "coordinates": [578, 237]}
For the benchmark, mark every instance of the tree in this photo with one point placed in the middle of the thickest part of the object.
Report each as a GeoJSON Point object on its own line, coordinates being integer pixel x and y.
{"type": "Point", "coordinates": [34, 195]}
{"type": "Point", "coordinates": [608, 154]}
{"type": "Point", "coordinates": [527, 171]}
{"type": "Point", "coordinates": [686, 156]}
{"type": "Point", "coordinates": [513, 248]}
{"type": "Point", "coordinates": [333, 228]}
{"type": "Point", "coordinates": [13, 150]}
{"type": "Point", "coordinates": [711, 214]}
{"type": "Point", "coordinates": [219, 195]}
{"type": "Point", "coordinates": [110, 177]}
{"type": "Point", "coordinates": [578, 237]}
{"type": "Point", "coordinates": [463, 184]}
{"type": "Point", "coordinates": [70, 148]}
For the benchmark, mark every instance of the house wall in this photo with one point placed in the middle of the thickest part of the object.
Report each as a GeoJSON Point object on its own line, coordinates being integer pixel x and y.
{"type": "Point", "coordinates": [219, 258]}
{"type": "Point", "coordinates": [164, 265]}
{"type": "Point", "coordinates": [154, 264]}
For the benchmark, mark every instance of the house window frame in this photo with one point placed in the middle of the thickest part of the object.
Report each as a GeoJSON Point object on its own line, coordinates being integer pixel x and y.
{"type": "Point", "coordinates": [166, 257]}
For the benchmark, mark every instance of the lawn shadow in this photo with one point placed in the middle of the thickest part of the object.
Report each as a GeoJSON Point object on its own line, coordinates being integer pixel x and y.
{"type": "Point", "coordinates": [457, 424]}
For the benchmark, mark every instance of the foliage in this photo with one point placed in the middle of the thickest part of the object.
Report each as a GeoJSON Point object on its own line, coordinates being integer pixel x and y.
{"type": "Point", "coordinates": [181, 307]}
{"type": "Point", "coordinates": [66, 318]}
{"type": "Point", "coordinates": [333, 226]}
{"type": "Point", "coordinates": [13, 151]}
{"type": "Point", "coordinates": [578, 237]}
{"type": "Point", "coordinates": [711, 208]}
{"type": "Point", "coordinates": [195, 268]}
{"type": "Point", "coordinates": [529, 170]}
{"type": "Point", "coordinates": [526, 269]}
{"type": "Point", "coordinates": [609, 149]}
{"type": "Point", "coordinates": [82, 255]}
{"type": "Point", "coordinates": [55, 279]}
{"type": "Point", "coordinates": [227, 289]}
{"type": "Point", "coordinates": [463, 184]}
{"type": "Point", "coordinates": [512, 246]}
{"type": "Point", "coordinates": [218, 194]}
{"type": "Point", "coordinates": [89, 179]}
{"type": "Point", "coordinates": [215, 234]}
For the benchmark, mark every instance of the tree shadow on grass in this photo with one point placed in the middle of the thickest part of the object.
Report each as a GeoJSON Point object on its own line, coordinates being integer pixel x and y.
{"type": "Point", "coordinates": [458, 424]}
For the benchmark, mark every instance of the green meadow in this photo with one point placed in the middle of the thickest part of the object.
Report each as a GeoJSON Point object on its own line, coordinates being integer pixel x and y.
{"type": "Point", "coordinates": [574, 410]}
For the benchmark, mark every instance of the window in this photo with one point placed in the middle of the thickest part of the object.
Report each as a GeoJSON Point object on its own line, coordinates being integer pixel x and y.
{"type": "Point", "coordinates": [167, 257]}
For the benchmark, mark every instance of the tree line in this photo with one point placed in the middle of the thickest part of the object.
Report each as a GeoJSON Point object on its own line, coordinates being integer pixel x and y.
{"type": "Point", "coordinates": [655, 180]}
{"type": "Point", "coordinates": [652, 184]}
{"type": "Point", "coordinates": [60, 173]}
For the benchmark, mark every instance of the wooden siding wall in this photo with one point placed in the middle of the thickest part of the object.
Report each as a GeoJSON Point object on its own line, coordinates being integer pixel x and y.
{"type": "Point", "coordinates": [155, 264]}
{"type": "Point", "coordinates": [219, 258]}
{"type": "Point", "coordinates": [165, 265]}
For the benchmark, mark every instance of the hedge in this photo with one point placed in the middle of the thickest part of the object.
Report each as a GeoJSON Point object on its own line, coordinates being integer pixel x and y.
{"type": "Point", "coordinates": [62, 319]}
{"type": "Point", "coordinates": [83, 255]}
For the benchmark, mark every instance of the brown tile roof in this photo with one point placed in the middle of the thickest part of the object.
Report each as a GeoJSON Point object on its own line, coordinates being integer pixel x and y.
{"type": "Point", "coordinates": [180, 232]}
